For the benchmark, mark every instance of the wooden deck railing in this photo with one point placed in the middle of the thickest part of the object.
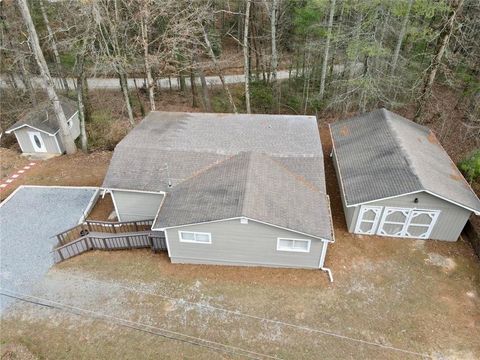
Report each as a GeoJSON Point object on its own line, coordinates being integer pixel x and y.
{"type": "Point", "coordinates": [107, 227]}
{"type": "Point", "coordinates": [99, 241]}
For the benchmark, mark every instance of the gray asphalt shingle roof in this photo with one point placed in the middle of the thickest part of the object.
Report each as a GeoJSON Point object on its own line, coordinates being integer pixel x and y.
{"type": "Point", "coordinates": [189, 142]}
{"type": "Point", "coordinates": [249, 185]}
{"type": "Point", "coordinates": [43, 117]}
{"type": "Point", "coordinates": [265, 167]}
{"type": "Point", "coordinates": [381, 154]}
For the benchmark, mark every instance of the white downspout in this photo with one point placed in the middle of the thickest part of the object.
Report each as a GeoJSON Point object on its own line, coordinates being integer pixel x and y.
{"type": "Point", "coordinates": [322, 260]}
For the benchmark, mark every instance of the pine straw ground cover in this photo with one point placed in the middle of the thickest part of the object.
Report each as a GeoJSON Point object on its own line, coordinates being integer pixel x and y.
{"type": "Point", "coordinates": [417, 296]}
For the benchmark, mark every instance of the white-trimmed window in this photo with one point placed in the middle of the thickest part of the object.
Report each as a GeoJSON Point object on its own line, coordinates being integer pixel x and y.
{"type": "Point", "coordinates": [195, 237]}
{"type": "Point", "coordinates": [297, 245]}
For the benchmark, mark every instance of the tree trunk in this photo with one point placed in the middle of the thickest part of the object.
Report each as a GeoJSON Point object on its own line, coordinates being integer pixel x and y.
{"type": "Point", "coordinates": [246, 59]}
{"type": "Point", "coordinates": [205, 95]}
{"type": "Point", "coordinates": [217, 67]}
{"type": "Point", "coordinates": [126, 96]}
{"type": "Point", "coordinates": [327, 49]}
{"type": "Point", "coordinates": [146, 59]}
{"type": "Point", "coordinates": [447, 31]}
{"type": "Point", "coordinates": [193, 86]}
{"type": "Point", "coordinates": [65, 135]}
{"type": "Point", "coordinates": [352, 67]}
{"type": "Point", "coordinates": [400, 37]}
{"type": "Point", "coordinates": [53, 43]}
{"type": "Point", "coordinates": [27, 81]}
{"type": "Point", "coordinates": [273, 29]}
{"type": "Point", "coordinates": [181, 81]}
{"type": "Point", "coordinates": [137, 92]}
{"type": "Point", "coordinates": [81, 107]}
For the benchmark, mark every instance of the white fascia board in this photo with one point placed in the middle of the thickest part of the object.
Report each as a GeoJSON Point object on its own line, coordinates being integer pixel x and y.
{"type": "Point", "coordinates": [240, 217]}
{"type": "Point", "coordinates": [158, 211]}
{"type": "Point", "coordinates": [476, 212]}
{"type": "Point", "coordinates": [339, 175]}
{"type": "Point", "coordinates": [32, 127]}
{"type": "Point", "coordinates": [166, 242]}
{"type": "Point", "coordinates": [135, 191]}
{"type": "Point", "coordinates": [116, 207]}
{"type": "Point", "coordinates": [385, 198]}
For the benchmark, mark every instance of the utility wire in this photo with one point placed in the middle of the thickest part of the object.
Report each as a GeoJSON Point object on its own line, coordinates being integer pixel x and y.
{"type": "Point", "coordinates": [277, 322]}
{"type": "Point", "coordinates": [168, 334]}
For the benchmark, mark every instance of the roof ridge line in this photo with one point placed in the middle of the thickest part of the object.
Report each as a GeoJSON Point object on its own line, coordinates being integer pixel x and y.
{"type": "Point", "coordinates": [203, 170]}
{"type": "Point", "coordinates": [398, 142]}
{"type": "Point", "coordinates": [247, 185]}
{"type": "Point", "coordinates": [299, 178]}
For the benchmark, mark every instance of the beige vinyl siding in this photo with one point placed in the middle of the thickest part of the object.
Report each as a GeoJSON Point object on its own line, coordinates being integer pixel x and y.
{"type": "Point", "coordinates": [233, 243]}
{"type": "Point", "coordinates": [449, 224]}
{"type": "Point", "coordinates": [26, 144]}
{"type": "Point", "coordinates": [136, 205]}
{"type": "Point", "coordinates": [75, 130]}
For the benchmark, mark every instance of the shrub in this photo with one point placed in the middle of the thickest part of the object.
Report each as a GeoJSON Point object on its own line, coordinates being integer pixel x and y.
{"type": "Point", "coordinates": [104, 132]}
{"type": "Point", "coordinates": [470, 167]}
{"type": "Point", "coordinates": [261, 97]}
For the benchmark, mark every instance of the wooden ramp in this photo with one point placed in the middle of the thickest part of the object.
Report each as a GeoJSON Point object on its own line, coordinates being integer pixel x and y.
{"type": "Point", "coordinates": [102, 235]}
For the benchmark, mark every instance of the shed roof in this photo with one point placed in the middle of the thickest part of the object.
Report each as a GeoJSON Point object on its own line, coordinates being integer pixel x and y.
{"type": "Point", "coordinates": [42, 117]}
{"type": "Point", "coordinates": [171, 146]}
{"type": "Point", "coordinates": [381, 154]}
{"type": "Point", "coordinates": [251, 185]}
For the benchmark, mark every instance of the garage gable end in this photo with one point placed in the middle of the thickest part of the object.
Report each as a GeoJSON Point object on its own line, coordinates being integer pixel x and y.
{"type": "Point", "coordinates": [419, 210]}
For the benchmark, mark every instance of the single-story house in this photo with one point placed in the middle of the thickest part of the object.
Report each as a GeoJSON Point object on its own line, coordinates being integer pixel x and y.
{"type": "Point", "coordinates": [230, 189]}
{"type": "Point", "coordinates": [397, 180]}
{"type": "Point", "coordinates": [38, 131]}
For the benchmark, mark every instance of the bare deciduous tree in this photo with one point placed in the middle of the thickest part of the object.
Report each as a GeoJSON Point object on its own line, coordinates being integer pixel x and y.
{"type": "Point", "coordinates": [246, 59]}
{"type": "Point", "coordinates": [456, 6]}
{"type": "Point", "coordinates": [53, 44]}
{"type": "Point", "coordinates": [217, 67]}
{"type": "Point", "coordinates": [65, 135]}
{"type": "Point", "coordinates": [327, 49]}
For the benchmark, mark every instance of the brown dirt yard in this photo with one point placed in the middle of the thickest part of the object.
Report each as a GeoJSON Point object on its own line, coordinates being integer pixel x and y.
{"type": "Point", "coordinates": [391, 298]}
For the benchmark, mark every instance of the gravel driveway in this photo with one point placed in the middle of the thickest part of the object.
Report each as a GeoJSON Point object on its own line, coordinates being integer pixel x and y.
{"type": "Point", "coordinates": [28, 220]}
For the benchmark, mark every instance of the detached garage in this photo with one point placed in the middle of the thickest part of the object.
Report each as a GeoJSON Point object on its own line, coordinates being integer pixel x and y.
{"type": "Point", "coordinates": [396, 179]}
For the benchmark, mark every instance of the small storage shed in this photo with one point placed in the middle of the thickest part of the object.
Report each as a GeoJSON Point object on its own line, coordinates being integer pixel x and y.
{"type": "Point", "coordinates": [397, 180]}
{"type": "Point", "coordinates": [37, 132]}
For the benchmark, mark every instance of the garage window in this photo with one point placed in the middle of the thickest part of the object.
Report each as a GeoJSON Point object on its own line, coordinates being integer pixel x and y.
{"type": "Point", "coordinates": [195, 237]}
{"type": "Point", "coordinates": [296, 245]}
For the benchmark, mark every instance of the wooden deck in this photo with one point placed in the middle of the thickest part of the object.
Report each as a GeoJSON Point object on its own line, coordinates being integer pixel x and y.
{"type": "Point", "coordinates": [102, 235]}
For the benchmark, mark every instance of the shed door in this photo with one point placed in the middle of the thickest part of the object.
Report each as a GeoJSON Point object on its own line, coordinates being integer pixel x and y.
{"type": "Point", "coordinates": [368, 218]}
{"type": "Point", "coordinates": [408, 223]}
{"type": "Point", "coordinates": [37, 141]}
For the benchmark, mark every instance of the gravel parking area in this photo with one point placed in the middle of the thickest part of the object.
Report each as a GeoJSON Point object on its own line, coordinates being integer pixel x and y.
{"type": "Point", "coordinates": [28, 220]}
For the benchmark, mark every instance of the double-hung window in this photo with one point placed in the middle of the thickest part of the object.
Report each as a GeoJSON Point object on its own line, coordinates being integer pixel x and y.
{"type": "Point", "coordinates": [296, 245]}
{"type": "Point", "coordinates": [195, 237]}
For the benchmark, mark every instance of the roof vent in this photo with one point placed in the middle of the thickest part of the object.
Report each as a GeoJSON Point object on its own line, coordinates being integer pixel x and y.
{"type": "Point", "coordinates": [168, 176]}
